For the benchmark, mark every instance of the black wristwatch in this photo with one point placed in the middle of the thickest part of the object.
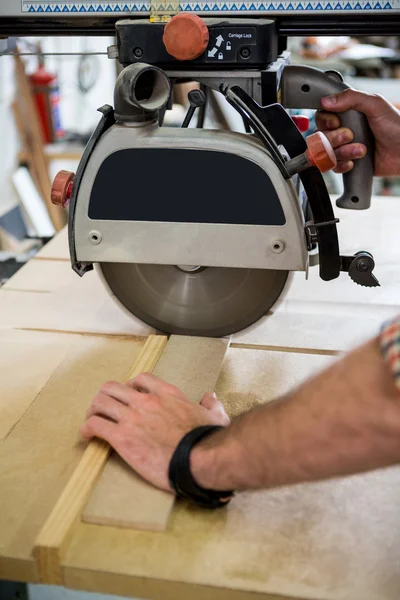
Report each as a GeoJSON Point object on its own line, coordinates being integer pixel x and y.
{"type": "Point", "coordinates": [181, 478]}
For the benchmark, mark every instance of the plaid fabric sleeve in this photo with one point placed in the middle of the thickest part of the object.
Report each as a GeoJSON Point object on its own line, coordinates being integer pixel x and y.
{"type": "Point", "coordinates": [389, 342]}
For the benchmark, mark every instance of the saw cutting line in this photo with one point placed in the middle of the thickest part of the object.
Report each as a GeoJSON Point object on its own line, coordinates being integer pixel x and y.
{"type": "Point", "coordinates": [122, 336]}
{"type": "Point", "coordinates": [286, 349]}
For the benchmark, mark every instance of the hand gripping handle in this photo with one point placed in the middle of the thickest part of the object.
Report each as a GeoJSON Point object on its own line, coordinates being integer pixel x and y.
{"type": "Point", "coordinates": [303, 87]}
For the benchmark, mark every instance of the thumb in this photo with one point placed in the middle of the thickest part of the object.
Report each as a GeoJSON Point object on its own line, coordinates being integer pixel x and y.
{"type": "Point", "coordinates": [370, 105]}
{"type": "Point", "coordinates": [214, 406]}
{"type": "Point", "coordinates": [210, 401]}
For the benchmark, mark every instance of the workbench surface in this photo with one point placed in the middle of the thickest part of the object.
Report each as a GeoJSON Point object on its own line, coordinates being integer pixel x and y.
{"type": "Point", "coordinates": [61, 337]}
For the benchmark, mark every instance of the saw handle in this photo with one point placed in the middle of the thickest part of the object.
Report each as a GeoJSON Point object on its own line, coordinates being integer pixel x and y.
{"type": "Point", "coordinates": [303, 87]}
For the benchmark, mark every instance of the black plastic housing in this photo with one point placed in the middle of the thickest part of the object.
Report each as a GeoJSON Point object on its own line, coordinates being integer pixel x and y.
{"type": "Point", "coordinates": [247, 43]}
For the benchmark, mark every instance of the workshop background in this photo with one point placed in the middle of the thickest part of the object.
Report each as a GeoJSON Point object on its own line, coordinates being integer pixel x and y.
{"type": "Point", "coordinates": [81, 82]}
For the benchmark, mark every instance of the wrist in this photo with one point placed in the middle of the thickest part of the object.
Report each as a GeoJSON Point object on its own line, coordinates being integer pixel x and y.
{"type": "Point", "coordinates": [212, 462]}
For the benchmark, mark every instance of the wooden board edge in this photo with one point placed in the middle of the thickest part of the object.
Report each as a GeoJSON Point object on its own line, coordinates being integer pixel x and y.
{"type": "Point", "coordinates": [122, 584]}
{"type": "Point", "coordinates": [54, 535]}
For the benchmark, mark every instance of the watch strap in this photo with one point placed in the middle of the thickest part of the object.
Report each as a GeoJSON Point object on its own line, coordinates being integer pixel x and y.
{"type": "Point", "coordinates": [181, 478]}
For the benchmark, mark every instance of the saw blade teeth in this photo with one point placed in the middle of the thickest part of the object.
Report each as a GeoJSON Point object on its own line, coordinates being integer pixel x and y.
{"type": "Point", "coordinates": [374, 282]}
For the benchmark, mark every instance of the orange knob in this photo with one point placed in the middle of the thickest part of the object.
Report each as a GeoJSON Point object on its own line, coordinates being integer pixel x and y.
{"type": "Point", "coordinates": [186, 36]}
{"type": "Point", "coordinates": [320, 152]}
{"type": "Point", "coordinates": [61, 189]}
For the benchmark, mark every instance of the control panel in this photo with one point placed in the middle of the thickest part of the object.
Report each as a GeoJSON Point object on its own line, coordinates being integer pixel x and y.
{"type": "Point", "coordinates": [233, 43]}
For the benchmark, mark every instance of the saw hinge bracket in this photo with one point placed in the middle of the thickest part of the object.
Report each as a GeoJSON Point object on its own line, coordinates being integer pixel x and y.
{"type": "Point", "coordinates": [311, 231]}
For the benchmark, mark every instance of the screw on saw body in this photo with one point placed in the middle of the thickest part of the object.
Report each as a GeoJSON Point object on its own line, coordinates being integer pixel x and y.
{"type": "Point", "coordinates": [138, 52]}
{"type": "Point", "coordinates": [95, 237]}
{"type": "Point", "coordinates": [245, 53]}
{"type": "Point", "coordinates": [319, 154]}
{"type": "Point", "coordinates": [360, 267]}
{"type": "Point", "coordinates": [196, 99]}
{"type": "Point", "coordinates": [278, 246]}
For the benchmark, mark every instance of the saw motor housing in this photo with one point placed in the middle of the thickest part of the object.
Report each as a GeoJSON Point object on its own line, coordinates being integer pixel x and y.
{"type": "Point", "coordinates": [187, 197]}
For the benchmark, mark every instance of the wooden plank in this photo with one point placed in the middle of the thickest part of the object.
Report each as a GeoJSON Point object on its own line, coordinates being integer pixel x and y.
{"type": "Point", "coordinates": [53, 537]}
{"type": "Point", "coordinates": [25, 156]}
{"type": "Point", "coordinates": [123, 499]}
{"type": "Point", "coordinates": [43, 447]}
{"type": "Point", "coordinates": [36, 146]}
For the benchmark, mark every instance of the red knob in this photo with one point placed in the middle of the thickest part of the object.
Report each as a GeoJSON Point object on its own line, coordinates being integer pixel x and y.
{"type": "Point", "coordinates": [320, 152]}
{"type": "Point", "coordinates": [302, 122]}
{"type": "Point", "coordinates": [186, 36]}
{"type": "Point", "coordinates": [61, 189]}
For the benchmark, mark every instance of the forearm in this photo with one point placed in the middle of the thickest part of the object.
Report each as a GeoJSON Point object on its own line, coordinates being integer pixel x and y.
{"type": "Point", "coordinates": [345, 420]}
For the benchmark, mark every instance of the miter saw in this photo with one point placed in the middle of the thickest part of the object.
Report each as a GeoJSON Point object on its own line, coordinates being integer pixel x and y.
{"type": "Point", "coordinates": [196, 231]}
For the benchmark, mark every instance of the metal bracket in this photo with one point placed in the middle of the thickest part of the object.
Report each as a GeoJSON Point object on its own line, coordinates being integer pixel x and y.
{"type": "Point", "coordinates": [310, 229]}
{"type": "Point", "coordinates": [360, 267]}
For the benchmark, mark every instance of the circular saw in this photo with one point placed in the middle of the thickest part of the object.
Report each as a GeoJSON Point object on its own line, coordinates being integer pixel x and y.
{"type": "Point", "coordinates": [195, 231]}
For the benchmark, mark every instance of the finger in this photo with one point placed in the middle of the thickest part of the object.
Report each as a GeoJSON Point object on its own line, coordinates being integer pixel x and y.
{"type": "Point", "coordinates": [118, 391]}
{"type": "Point", "coordinates": [371, 105]}
{"type": "Point", "coordinates": [344, 166]}
{"type": "Point", "coordinates": [350, 152]}
{"type": "Point", "coordinates": [106, 406]}
{"type": "Point", "coordinates": [150, 384]}
{"type": "Point", "coordinates": [339, 137]}
{"type": "Point", "coordinates": [214, 406]}
{"type": "Point", "coordinates": [326, 121]}
{"type": "Point", "coordinates": [100, 428]}
{"type": "Point", "coordinates": [146, 382]}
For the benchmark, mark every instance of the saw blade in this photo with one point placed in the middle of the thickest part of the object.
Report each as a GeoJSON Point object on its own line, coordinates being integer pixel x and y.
{"type": "Point", "coordinates": [204, 301]}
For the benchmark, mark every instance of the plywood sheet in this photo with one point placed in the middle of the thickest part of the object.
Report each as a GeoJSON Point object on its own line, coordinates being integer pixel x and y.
{"type": "Point", "coordinates": [37, 355]}
{"type": "Point", "coordinates": [337, 328]}
{"type": "Point", "coordinates": [43, 276]}
{"type": "Point", "coordinates": [120, 497]}
{"type": "Point", "coordinates": [337, 540]}
{"type": "Point", "coordinates": [39, 455]}
{"type": "Point", "coordinates": [82, 305]}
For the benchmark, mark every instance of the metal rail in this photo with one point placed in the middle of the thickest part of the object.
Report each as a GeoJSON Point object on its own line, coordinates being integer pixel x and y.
{"type": "Point", "coordinates": [361, 24]}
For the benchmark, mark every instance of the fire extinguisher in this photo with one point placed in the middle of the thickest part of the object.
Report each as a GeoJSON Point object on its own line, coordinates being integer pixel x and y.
{"type": "Point", "coordinates": [47, 99]}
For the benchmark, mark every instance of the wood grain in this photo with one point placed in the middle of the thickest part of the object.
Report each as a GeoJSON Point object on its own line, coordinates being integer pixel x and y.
{"type": "Point", "coordinates": [53, 537]}
{"type": "Point", "coordinates": [122, 498]}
